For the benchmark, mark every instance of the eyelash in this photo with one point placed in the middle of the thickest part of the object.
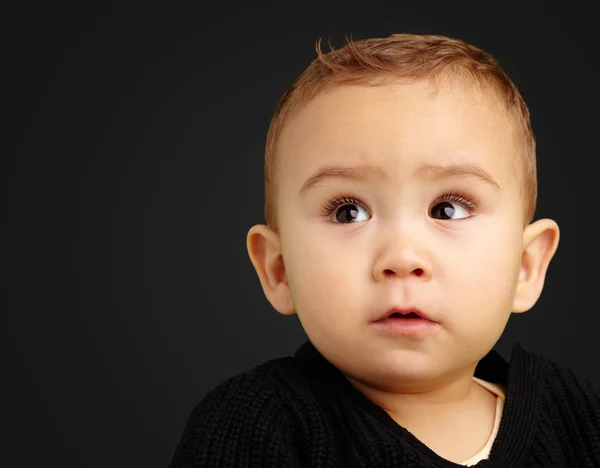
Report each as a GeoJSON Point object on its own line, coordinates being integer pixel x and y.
{"type": "Point", "coordinates": [455, 196]}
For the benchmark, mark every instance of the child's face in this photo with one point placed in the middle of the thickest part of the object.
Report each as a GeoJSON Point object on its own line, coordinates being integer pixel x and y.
{"type": "Point", "coordinates": [403, 247]}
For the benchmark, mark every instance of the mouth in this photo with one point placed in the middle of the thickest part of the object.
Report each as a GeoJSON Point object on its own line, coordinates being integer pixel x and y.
{"type": "Point", "coordinates": [409, 313]}
{"type": "Point", "coordinates": [409, 322]}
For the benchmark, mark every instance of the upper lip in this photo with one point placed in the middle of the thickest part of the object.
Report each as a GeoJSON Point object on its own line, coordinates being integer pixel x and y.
{"type": "Point", "coordinates": [405, 311]}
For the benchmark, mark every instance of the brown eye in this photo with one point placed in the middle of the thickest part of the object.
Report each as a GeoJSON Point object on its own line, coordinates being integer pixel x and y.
{"type": "Point", "coordinates": [345, 210]}
{"type": "Point", "coordinates": [347, 214]}
{"type": "Point", "coordinates": [447, 210]}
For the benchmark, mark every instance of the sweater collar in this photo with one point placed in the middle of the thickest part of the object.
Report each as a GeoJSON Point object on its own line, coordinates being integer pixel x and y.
{"type": "Point", "coordinates": [523, 377]}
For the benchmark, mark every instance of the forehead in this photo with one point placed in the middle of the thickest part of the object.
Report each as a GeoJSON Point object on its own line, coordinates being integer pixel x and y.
{"type": "Point", "coordinates": [399, 128]}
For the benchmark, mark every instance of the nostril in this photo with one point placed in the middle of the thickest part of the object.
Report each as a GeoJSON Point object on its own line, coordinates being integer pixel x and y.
{"type": "Point", "coordinates": [416, 271]}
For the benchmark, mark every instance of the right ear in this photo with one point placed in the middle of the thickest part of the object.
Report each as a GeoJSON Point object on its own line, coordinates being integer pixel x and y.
{"type": "Point", "coordinates": [264, 250]}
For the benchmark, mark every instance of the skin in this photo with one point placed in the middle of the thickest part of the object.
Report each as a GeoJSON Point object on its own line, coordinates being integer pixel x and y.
{"type": "Point", "coordinates": [468, 270]}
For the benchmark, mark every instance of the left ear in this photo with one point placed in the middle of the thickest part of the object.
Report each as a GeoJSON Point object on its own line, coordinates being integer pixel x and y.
{"type": "Point", "coordinates": [540, 241]}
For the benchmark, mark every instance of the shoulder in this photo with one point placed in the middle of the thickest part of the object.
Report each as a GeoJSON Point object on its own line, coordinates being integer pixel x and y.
{"type": "Point", "coordinates": [564, 408]}
{"type": "Point", "coordinates": [562, 380]}
{"type": "Point", "coordinates": [248, 397]}
{"type": "Point", "coordinates": [569, 398]}
{"type": "Point", "coordinates": [554, 377]}
{"type": "Point", "coordinates": [244, 417]}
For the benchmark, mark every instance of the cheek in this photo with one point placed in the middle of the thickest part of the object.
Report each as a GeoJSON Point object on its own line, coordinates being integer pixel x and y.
{"type": "Point", "coordinates": [489, 275]}
{"type": "Point", "coordinates": [496, 265]}
{"type": "Point", "coordinates": [324, 279]}
{"type": "Point", "coordinates": [493, 253]}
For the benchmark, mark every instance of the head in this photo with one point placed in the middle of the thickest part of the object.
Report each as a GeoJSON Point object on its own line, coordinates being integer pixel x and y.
{"type": "Point", "coordinates": [401, 172]}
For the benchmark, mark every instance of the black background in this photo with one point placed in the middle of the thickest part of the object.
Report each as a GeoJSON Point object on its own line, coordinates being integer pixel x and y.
{"type": "Point", "coordinates": [137, 172]}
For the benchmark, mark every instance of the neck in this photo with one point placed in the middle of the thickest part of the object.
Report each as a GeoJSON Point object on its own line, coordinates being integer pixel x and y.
{"type": "Point", "coordinates": [417, 401]}
{"type": "Point", "coordinates": [454, 418]}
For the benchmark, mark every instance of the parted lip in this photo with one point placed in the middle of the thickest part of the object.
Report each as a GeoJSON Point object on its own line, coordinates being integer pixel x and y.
{"type": "Point", "coordinates": [404, 311]}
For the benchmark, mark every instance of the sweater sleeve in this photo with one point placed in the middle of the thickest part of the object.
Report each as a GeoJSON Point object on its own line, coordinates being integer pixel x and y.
{"type": "Point", "coordinates": [240, 423]}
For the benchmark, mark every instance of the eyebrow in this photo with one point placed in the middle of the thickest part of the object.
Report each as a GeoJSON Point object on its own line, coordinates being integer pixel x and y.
{"type": "Point", "coordinates": [355, 173]}
{"type": "Point", "coordinates": [458, 171]}
{"type": "Point", "coordinates": [367, 172]}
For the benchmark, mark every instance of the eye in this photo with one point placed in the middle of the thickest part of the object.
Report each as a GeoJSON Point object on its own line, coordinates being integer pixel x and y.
{"type": "Point", "coordinates": [451, 206]}
{"type": "Point", "coordinates": [345, 210]}
{"type": "Point", "coordinates": [447, 210]}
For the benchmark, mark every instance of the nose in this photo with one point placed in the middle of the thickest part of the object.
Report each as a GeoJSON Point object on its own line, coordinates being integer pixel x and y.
{"type": "Point", "coordinates": [404, 257]}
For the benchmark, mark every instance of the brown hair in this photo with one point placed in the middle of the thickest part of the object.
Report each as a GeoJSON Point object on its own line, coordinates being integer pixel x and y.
{"type": "Point", "coordinates": [408, 57]}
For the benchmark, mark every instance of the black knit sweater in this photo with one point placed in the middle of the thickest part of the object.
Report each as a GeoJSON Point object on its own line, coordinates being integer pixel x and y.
{"type": "Point", "coordinates": [301, 411]}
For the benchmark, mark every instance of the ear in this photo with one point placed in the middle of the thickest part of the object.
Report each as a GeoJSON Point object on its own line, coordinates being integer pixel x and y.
{"type": "Point", "coordinates": [540, 241]}
{"type": "Point", "coordinates": [264, 250]}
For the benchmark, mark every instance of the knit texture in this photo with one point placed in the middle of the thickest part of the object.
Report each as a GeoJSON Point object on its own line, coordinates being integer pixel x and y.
{"type": "Point", "coordinates": [301, 411]}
